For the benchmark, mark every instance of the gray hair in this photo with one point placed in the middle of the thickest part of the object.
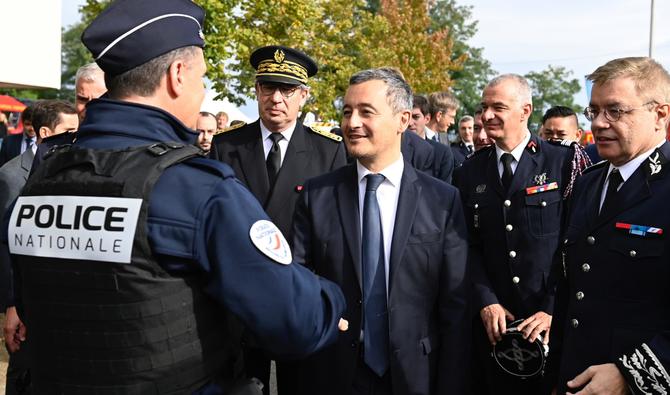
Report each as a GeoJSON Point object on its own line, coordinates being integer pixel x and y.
{"type": "Point", "coordinates": [89, 72]}
{"type": "Point", "coordinates": [398, 92]}
{"type": "Point", "coordinates": [524, 94]}
{"type": "Point", "coordinates": [144, 79]}
{"type": "Point", "coordinates": [466, 118]}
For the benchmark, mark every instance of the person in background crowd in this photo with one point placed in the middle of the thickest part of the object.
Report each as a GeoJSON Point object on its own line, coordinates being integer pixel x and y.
{"type": "Point", "coordinates": [560, 123]}
{"type": "Point", "coordinates": [443, 107]}
{"type": "Point", "coordinates": [206, 127]}
{"type": "Point", "coordinates": [513, 194]}
{"type": "Point", "coordinates": [160, 309]}
{"type": "Point", "coordinates": [466, 146]}
{"type": "Point", "coordinates": [221, 120]}
{"type": "Point", "coordinates": [89, 84]}
{"type": "Point", "coordinates": [611, 321]}
{"type": "Point", "coordinates": [3, 126]}
{"type": "Point", "coordinates": [274, 156]}
{"type": "Point", "coordinates": [394, 239]}
{"type": "Point", "coordinates": [480, 137]}
{"type": "Point", "coordinates": [443, 161]}
{"type": "Point", "coordinates": [16, 144]}
{"type": "Point", "coordinates": [49, 117]}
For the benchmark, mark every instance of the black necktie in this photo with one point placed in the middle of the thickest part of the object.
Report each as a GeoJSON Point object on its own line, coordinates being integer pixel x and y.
{"type": "Point", "coordinates": [273, 162]}
{"type": "Point", "coordinates": [469, 147]}
{"type": "Point", "coordinates": [615, 180]}
{"type": "Point", "coordinates": [375, 315]}
{"type": "Point", "coordinates": [506, 179]}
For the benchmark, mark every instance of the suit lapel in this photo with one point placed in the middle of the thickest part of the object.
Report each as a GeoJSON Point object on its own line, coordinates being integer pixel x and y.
{"type": "Point", "coordinates": [27, 162]}
{"type": "Point", "coordinates": [593, 199]}
{"type": "Point", "coordinates": [525, 169]}
{"type": "Point", "coordinates": [492, 174]}
{"type": "Point", "coordinates": [292, 170]}
{"type": "Point", "coordinates": [252, 163]}
{"type": "Point", "coordinates": [347, 199]}
{"type": "Point", "coordinates": [408, 202]}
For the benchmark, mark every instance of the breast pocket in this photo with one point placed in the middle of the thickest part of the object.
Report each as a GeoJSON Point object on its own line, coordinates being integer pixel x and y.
{"type": "Point", "coordinates": [543, 213]}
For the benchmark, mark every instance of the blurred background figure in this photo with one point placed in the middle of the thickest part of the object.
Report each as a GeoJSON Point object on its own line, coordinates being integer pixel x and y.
{"type": "Point", "coordinates": [16, 144]}
{"type": "Point", "coordinates": [89, 84]}
{"type": "Point", "coordinates": [560, 123]}
{"type": "Point", "coordinates": [221, 120]}
{"type": "Point", "coordinates": [480, 138]}
{"type": "Point", "coordinates": [206, 127]}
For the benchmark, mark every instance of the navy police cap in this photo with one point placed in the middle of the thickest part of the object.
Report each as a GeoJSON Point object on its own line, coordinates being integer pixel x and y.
{"type": "Point", "coordinates": [129, 33]}
{"type": "Point", "coordinates": [275, 63]}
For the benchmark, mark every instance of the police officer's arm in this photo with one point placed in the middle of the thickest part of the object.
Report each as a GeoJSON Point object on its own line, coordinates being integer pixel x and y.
{"type": "Point", "coordinates": [453, 305]}
{"type": "Point", "coordinates": [289, 309]}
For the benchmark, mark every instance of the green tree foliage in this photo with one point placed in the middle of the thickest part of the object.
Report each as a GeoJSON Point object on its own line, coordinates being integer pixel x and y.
{"type": "Point", "coordinates": [552, 87]}
{"type": "Point", "coordinates": [472, 77]}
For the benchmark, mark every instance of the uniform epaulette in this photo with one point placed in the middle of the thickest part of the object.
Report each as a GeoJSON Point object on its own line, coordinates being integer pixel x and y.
{"type": "Point", "coordinates": [232, 127]}
{"type": "Point", "coordinates": [481, 151]}
{"type": "Point", "coordinates": [325, 132]}
{"type": "Point", "coordinates": [563, 143]}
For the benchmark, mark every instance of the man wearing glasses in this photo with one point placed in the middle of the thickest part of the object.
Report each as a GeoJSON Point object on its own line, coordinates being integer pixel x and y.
{"type": "Point", "coordinates": [611, 319]}
{"type": "Point", "coordinates": [275, 155]}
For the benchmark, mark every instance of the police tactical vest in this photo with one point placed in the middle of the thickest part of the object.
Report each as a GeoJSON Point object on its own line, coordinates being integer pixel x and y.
{"type": "Point", "coordinates": [103, 316]}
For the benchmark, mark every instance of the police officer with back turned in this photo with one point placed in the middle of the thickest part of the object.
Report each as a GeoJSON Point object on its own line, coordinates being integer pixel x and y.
{"type": "Point", "coordinates": [135, 256]}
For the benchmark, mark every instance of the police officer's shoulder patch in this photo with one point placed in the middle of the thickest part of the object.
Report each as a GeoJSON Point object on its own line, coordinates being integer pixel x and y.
{"type": "Point", "coordinates": [232, 127]}
{"type": "Point", "coordinates": [325, 132]}
{"type": "Point", "coordinates": [270, 241]}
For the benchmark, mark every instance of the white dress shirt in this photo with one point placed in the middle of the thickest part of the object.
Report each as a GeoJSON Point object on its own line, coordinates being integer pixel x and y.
{"type": "Point", "coordinates": [430, 135]}
{"type": "Point", "coordinates": [283, 143]}
{"type": "Point", "coordinates": [387, 197]}
{"type": "Point", "coordinates": [626, 170]}
{"type": "Point", "coordinates": [516, 153]}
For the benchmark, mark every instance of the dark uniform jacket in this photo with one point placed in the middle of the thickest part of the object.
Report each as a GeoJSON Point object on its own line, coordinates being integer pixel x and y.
{"type": "Point", "coordinates": [443, 161]}
{"type": "Point", "coordinates": [428, 282]}
{"type": "Point", "coordinates": [309, 154]}
{"type": "Point", "coordinates": [11, 147]}
{"type": "Point", "coordinates": [513, 235]}
{"type": "Point", "coordinates": [460, 151]}
{"type": "Point", "coordinates": [613, 304]}
{"type": "Point", "coordinates": [418, 152]}
{"type": "Point", "coordinates": [199, 221]}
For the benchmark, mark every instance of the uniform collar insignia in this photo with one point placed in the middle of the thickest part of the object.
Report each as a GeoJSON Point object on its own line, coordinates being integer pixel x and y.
{"type": "Point", "coordinates": [481, 188]}
{"type": "Point", "coordinates": [540, 179]}
{"type": "Point", "coordinates": [532, 146]}
{"type": "Point", "coordinates": [654, 164]}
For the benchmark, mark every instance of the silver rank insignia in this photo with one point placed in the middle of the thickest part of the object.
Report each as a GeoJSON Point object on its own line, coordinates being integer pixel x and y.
{"type": "Point", "coordinates": [655, 165]}
{"type": "Point", "coordinates": [481, 188]}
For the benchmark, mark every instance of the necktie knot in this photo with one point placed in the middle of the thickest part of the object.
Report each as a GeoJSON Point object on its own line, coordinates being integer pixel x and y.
{"type": "Point", "coordinates": [615, 179]}
{"type": "Point", "coordinates": [374, 181]}
{"type": "Point", "coordinates": [506, 159]}
{"type": "Point", "coordinates": [275, 137]}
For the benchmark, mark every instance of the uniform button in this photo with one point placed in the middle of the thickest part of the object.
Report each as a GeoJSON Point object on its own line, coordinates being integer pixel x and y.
{"type": "Point", "coordinates": [353, 344]}
{"type": "Point", "coordinates": [507, 203]}
{"type": "Point", "coordinates": [580, 295]}
{"type": "Point", "coordinates": [586, 267]}
{"type": "Point", "coordinates": [543, 204]}
{"type": "Point", "coordinates": [476, 206]}
{"type": "Point", "coordinates": [512, 254]}
{"type": "Point", "coordinates": [632, 253]}
{"type": "Point", "coordinates": [574, 322]}
{"type": "Point", "coordinates": [565, 241]}
{"type": "Point", "coordinates": [515, 280]}
{"type": "Point", "coordinates": [360, 301]}
{"type": "Point", "coordinates": [509, 227]}
{"type": "Point", "coordinates": [591, 240]}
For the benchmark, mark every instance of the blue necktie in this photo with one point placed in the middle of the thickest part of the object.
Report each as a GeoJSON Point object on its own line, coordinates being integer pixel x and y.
{"type": "Point", "coordinates": [29, 143]}
{"type": "Point", "coordinates": [375, 315]}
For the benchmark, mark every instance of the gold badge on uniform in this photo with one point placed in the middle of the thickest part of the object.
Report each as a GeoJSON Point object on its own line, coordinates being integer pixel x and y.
{"type": "Point", "coordinates": [279, 56]}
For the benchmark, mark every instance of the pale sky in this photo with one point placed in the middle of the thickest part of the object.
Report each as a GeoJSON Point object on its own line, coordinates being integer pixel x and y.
{"type": "Point", "coordinates": [523, 35]}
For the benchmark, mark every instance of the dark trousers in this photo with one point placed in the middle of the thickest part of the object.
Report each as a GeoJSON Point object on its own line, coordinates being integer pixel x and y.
{"type": "Point", "coordinates": [488, 378]}
{"type": "Point", "coordinates": [18, 374]}
{"type": "Point", "coordinates": [366, 382]}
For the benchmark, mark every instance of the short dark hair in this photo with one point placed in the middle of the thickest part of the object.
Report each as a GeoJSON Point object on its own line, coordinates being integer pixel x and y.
{"type": "Point", "coordinates": [398, 91]}
{"type": "Point", "coordinates": [207, 114]}
{"type": "Point", "coordinates": [27, 114]}
{"type": "Point", "coordinates": [421, 102]}
{"type": "Point", "coordinates": [559, 112]}
{"type": "Point", "coordinates": [47, 113]}
{"type": "Point", "coordinates": [144, 79]}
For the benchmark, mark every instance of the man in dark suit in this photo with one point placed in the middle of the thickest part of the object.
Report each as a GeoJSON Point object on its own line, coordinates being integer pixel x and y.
{"type": "Point", "coordinates": [16, 144]}
{"type": "Point", "coordinates": [275, 155]}
{"type": "Point", "coordinates": [513, 194]}
{"type": "Point", "coordinates": [612, 308]}
{"type": "Point", "coordinates": [394, 239]}
{"type": "Point", "coordinates": [465, 147]}
{"type": "Point", "coordinates": [443, 159]}
{"type": "Point", "coordinates": [443, 107]}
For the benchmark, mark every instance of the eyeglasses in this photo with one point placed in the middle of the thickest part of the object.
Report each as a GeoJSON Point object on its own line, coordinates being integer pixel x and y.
{"type": "Point", "coordinates": [269, 89]}
{"type": "Point", "coordinates": [612, 114]}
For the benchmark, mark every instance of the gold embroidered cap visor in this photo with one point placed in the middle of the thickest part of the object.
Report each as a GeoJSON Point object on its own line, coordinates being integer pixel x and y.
{"type": "Point", "coordinates": [284, 65]}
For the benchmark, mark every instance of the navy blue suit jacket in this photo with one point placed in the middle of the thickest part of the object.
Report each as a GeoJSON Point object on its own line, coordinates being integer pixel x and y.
{"type": "Point", "coordinates": [11, 147]}
{"type": "Point", "coordinates": [428, 282]}
{"type": "Point", "coordinates": [418, 152]}
{"type": "Point", "coordinates": [613, 300]}
{"type": "Point", "coordinates": [443, 161]}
